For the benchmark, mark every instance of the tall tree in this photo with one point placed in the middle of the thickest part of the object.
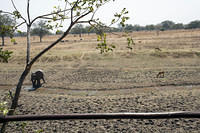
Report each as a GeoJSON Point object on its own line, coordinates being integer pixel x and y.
{"type": "Point", "coordinates": [166, 25]}
{"type": "Point", "coordinates": [129, 27]}
{"type": "Point", "coordinates": [150, 27]}
{"type": "Point", "coordinates": [178, 26]}
{"type": "Point", "coordinates": [6, 26]}
{"type": "Point", "coordinates": [76, 12]}
{"type": "Point", "coordinates": [78, 29]}
{"type": "Point", "coordinates": [193, 25]}
{"type": "Point", "coordinates": [40, 29]}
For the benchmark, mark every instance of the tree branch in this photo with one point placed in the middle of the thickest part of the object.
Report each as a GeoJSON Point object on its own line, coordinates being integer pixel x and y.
{"type": "Point", "coordinates": [46, 15]}
{"type": "Point", "coordinates": [57, 41]}
{"type": "Point", "coordinates": [14, 5]}
{"type": "Point", "coordinates": [72, 10]}
{"type": "Point", "coordinates": [7, 13]}
{"type": "Point", "coordinates": [17, 11]}
{"type": "Point", "coordinates": [52, 18]}
{"type": "Point", "coordinates": [28, 12]}
{"type": "Point", "coordinates": [84, 22]}
{"type": "Point", "coordinates": [20, 24]}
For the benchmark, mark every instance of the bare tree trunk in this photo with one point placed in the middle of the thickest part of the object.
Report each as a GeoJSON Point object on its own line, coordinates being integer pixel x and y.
{"type": "Point", "coordinates": [3, 41]}
{"type": "Point", "coordinates": [28, 44]}
{"type": "Point", "coordinates": [14, 103]}
{"type": "Point", "coordinates": [40, 38]}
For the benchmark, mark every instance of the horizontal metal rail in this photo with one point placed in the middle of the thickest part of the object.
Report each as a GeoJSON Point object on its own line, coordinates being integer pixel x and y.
{"type": "Point", "coordinates": [91, 116]}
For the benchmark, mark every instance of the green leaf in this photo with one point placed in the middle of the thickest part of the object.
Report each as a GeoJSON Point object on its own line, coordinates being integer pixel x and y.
{"type": "Point", "coordinates": [5, 55]}
{"type": "Point", "coordinates": [54, 18]}
{"type": "Point", "coordinates": [13, 40]}
{"type": "Point", "coordinates": [5, 111]}
{"type": "Point", "coordinates": [19, 31]}
{"type": "Point", "coordinates": [99, 38]}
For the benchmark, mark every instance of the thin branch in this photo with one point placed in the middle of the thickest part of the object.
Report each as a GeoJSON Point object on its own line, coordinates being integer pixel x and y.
{"type": "Point", "coordinates": [102, 26]}
{"type": "Point", "coordinates": [7, 13]}
{"type": "Point", "coordinates": [14, 5]}
{"type": "Point", "coordinates": [46, 15]}
{"type": "Point", "coordinates": [65, 8]}
{"type": "Point", "coordinates": [84, 21]}
{"type": "Point", "coordinates": [53, 18]}
{"type": "Point", "coordinates": [72, 10]}
{"type": "Point", "coordinates": [65, 12]}
{"type": "Point", "coordinates": [98, 9]}
{"type": "Point", "coordinates": [94, 13]}
{"type": "Point", "coordinates": [17, 11]}
{"type": "Point", "coordinates": [57, 41]}
{"type": "Point", "coordinates": [20, 24]}
{"type": "Point", "coordinates": [71, 15]}
{"type": "Point", "coordinates": [68, 3]}
{"type": "Point", "coordinates": [14, 15]}
{"type": "Point", "coordinates": [77, 20]}
{"type": "Point", "coordinates": [76, 16]}
{"type": "Point", "coordinates": [28, 11]}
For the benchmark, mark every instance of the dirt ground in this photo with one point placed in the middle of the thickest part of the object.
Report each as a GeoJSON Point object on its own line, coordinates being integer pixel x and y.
{"type": "Point", "coordinates": [156, 99]}
{"type": "Point", "coordinates": [80, 80]}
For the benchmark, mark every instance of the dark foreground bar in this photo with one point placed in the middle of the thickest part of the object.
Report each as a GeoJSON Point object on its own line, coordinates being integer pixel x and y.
{"type": "Point", "coordinates": [164, 115]}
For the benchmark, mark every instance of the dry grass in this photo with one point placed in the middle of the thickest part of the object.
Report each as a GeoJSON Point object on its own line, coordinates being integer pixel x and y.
{"type": "Point", "coordinates": [71, 61]}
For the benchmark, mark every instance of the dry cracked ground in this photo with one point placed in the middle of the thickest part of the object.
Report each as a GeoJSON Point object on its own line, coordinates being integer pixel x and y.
{"type": "Point", "coordinates": [156, 99]}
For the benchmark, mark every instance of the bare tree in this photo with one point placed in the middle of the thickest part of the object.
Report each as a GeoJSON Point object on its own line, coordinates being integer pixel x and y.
{"type": "Point", "coordinates": [75, 12]}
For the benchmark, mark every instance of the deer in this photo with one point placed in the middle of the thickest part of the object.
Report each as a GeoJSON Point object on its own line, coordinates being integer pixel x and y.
{"type": "Point", "coordinates": [160, 75]}
{"type": "Point", "coordinates": [158, 49]}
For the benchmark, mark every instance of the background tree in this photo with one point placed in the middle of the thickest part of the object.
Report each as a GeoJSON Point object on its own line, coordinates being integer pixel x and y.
{"type": "Point", "coordinates": [178, 26]}
{"type": "Point", "coordinates": [59, 32]}
{"type": "Point", "coordinates": [150, 27]}
{"type": "Point", "coordinates": [137, 27]}
{"type": "Point", "coordinates": [89, 29]}
{"type": "Point", "coordinates": [6, 26]}
{"type": "Point", "coordinates": [40, 29]}
{"type": "Point", "coordinates": [193, 25]}
{"type": "Point", "coordinates": [19, 33]}
{"type": "Point", "coordinates": [167, 24]}
{"type": "Point", "coordinates": [78, 29]}
{"type": "Point", "coordinates": [129, 27]}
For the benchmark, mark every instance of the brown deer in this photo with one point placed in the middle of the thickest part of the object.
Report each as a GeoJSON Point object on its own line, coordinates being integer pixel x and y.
{"type": "Point", "coordinates": [160, 75]}
{"type": "Point", "coordinates": [158, 49]}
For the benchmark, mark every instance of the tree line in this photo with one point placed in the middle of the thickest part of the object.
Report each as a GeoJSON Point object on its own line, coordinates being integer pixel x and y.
{"type": "Point", "coordinates": [42, 28]}
{"type": "Point", "coordinates": [165, 25]}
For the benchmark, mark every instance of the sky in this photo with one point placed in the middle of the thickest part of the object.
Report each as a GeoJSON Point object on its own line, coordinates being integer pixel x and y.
{"type": "Point", "coordinates": [142, 12]}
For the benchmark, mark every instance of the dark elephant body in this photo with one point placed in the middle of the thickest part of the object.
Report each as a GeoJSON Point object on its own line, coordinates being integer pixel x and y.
{"type": "Point", "coordinates": [36, 78]}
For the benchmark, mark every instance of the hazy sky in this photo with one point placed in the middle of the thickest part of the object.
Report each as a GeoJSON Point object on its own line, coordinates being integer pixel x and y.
{"type": "Point", "coordinates": [141, 12]}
